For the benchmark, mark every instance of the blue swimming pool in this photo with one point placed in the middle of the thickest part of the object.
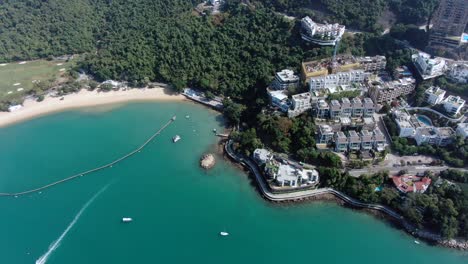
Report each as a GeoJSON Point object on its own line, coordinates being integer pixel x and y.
{"type": "Point", "coordinates": [425, 120]}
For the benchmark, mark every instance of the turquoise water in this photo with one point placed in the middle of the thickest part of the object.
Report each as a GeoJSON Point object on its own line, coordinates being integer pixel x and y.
{"type": "Point", "coordinates": [178, 209]}
{"type": "Point", "coordinates": [425, 120]}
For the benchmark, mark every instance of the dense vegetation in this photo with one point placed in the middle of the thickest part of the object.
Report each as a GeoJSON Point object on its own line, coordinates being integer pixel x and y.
{"type": "Point", "coordinates": [38, 29]}
{"type": "Point", "coordinates": [443, 208]}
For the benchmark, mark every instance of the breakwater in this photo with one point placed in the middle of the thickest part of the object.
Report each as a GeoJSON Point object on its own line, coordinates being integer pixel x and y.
{"type": "Point", "coordinates": [108, 165]}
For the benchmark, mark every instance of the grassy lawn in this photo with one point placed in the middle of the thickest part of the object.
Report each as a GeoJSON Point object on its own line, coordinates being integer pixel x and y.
{"type": "Point", "coordinates": [23, 76]}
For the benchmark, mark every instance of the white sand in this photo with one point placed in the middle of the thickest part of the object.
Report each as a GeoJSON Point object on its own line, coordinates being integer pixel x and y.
{"type": "Point", "coordinates": [84, 98]}
{"type": "Point", "coordinates": [3, 64]}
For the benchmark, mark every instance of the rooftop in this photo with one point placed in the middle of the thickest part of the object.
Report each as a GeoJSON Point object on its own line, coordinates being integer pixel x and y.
{"type": "Point", "coordinates": [302, 96]}
{"type": "Point", "coordinates": [287, 76]}
{"type": "Point", "coordinates": [279, 95]}
{"type": "Point", "coordinates": [435, 90]}
{"type": "Point", "coordinates": [411, 183]}
{"type": "Point", "coordinates": [455, 100]}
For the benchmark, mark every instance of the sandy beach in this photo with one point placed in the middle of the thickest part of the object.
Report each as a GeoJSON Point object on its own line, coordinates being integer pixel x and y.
{"type": "Point", "coordinates": [84, 98]}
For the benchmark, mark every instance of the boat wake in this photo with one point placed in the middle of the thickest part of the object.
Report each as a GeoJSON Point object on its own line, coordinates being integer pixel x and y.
{"type": "Point", "coordinates": [56, 243]}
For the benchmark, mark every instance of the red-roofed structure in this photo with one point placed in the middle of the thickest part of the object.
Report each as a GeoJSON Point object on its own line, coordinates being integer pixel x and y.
{"type": "Point", "coordinates": [411, 183]}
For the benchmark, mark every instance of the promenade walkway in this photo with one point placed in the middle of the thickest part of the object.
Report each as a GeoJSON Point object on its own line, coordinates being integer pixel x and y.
{"type": "Point", "coordinates": [264, 188]}
{"type": "Point", "coordinates": [95, 169]}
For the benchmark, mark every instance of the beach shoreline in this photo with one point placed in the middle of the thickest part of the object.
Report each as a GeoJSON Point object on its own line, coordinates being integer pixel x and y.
{"type": "Point", "coordinates": [84, 98]}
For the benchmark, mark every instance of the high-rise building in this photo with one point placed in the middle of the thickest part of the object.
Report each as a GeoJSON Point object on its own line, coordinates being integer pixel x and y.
{"type": "Point", "coordinates": [449, 23]}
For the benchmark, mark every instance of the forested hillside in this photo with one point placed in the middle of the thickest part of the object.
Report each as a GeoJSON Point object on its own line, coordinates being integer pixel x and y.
{"type": "Point", "coordinates": [31, 29]}
{"type": "Point", "coordinates": [165, 40]}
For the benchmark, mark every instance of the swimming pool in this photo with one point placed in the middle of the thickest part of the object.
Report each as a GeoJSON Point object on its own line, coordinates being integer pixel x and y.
{"type": "Point", "coordinates": [425, 120]}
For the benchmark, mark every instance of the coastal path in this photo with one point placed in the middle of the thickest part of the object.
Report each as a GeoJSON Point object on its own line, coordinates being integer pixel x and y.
{"type": "Point", "coordinates": [299, 195]}
{"type": "Point", "coordinates": [108, 165]}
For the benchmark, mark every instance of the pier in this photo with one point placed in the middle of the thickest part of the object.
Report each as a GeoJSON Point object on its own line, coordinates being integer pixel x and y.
{"type": "Point", "coordinates": [128, 155]}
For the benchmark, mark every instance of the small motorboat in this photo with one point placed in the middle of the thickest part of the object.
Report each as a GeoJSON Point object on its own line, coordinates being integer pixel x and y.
{"type": "Point", "coordinates": [176, 138]}
{"type": "Point", "coordinates": [127, 219]}
{"type": "Point", "coordinates": [214, 130]}
{"type": "Point", "coordinates": [222, 233]}
{"type": "Point", "coordinates": [417, 242]}
{"type": "Point", "coordinates": [187, 116]}
{"type": "Point", "coordinates": [173, 118]}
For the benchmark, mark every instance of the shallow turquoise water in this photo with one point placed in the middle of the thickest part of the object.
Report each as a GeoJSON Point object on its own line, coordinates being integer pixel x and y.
{"type": "Point", "coordinates": [178, 209]}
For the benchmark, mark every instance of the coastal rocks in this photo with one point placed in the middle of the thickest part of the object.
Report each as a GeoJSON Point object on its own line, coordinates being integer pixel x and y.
{"type": "Point", "coordinates": [207, 161]}
{"type": "Point", "coordinates": [452, 243]}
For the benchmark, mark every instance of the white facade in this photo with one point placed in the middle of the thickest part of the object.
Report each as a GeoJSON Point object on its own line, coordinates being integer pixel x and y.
{"type": "Point", "coordinates": [300, 104]}
{"type": "Point", "coordinates": [339, 79]}
{"type": "Point", "coordinates": [453, 104]}
{"type": "Point", "coordinates": [434, 95]}
{"type": "Point", "coordinates": [405, 127]}
{"type": "Point", "coordinates": [459, 72]}
{"type": "Point", "coordinates": [440, 136]}
{"type": "Point", "coordinates": [279, 99]}
{"type": "Point", "coordinates": [262, 156]}
{"type": "Point", "coordinates": [321, 34]}
{"type": "Point", "coordinates": [428, 67]}
{"type": "Point", "coordinates": [285, 79]}
{"type": "Point", "coordinates": [462, 130]}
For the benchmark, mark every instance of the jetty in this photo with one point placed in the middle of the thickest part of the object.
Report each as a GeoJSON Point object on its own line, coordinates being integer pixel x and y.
{"type": "Point", "coordinates": [199, 97]}
{"type": "Point", "coordinates": [108, 165]}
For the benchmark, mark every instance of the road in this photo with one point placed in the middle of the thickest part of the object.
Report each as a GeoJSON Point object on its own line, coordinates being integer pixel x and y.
{"type": "Point", "coordinates": [394, 170]}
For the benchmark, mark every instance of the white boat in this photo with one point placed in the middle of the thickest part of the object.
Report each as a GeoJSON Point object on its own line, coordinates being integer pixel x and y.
{"type": "Point", "coordinates": [176, 138]}
{"type": "Point", "coordinates": [417, 242]}
{"type": "Point", "coordinates": [187, 116]}
{"type": "Point", "coordinates": [224, 233]}
{"type": "Point", "coordinates": [127, 219]}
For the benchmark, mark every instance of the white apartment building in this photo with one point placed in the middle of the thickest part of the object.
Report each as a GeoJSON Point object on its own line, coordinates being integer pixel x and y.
{"type": "Point", "coordinates": [300, 104]}
{"type": "Point", "coordinates": [462, 130]}
{"type": "Point", "coordinates": [403, 122]}
{"type": "Point", "coordinates": [434, 95]}
{"type": "Point", "coordinates": [389, 91]}
{"type": "Point", "coordinates": [285, 79]}
{"type": "Point", "coordinates": [321, 34]}
{"type": "Point", "coordinates": [439, 136]}
{"type": "Point", "coordinates": [459, 72]}
{"type": "Point", "coordinates": [279, 99]}
{"type": "Point", "coordinates": [338, 79]}
{"type": "Point", "coordinates": [453, 104]}
{"type": "Point", "coordinates": [428, 67]}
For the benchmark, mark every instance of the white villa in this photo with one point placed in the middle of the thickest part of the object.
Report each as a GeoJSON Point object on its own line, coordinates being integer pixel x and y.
{"type": "Point", "coordinates": [321, 34]}
{"type": "Point", "coordinates": [434, 95]}
{"type": "Point", "coordinates": [427, 66]}
{"type": "Point", "coordinates": [453, 104]}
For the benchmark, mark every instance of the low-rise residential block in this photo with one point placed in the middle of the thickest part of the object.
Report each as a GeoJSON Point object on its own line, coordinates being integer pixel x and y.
{"type": "Point", "coordinates": [300, 103]}
{"type": "Point", "coordinates": [321, 34]}
{"type": "Point", "coordinates": [389, 91]}
{"type": "Point", "coordinates": [439, 136]}
{"type": "Point", "coordinates": [459, 72]}
{"type": "Point", "coordinates": [434, 95]}
{"type": "Point", "coordinates": [427, 66]}
{"type": "Point", "coordinates": [280, 100]}
{"type": "Point", "coordinates": [453, 104]}
{"type": "Point", "coordinates": [285, 79]}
